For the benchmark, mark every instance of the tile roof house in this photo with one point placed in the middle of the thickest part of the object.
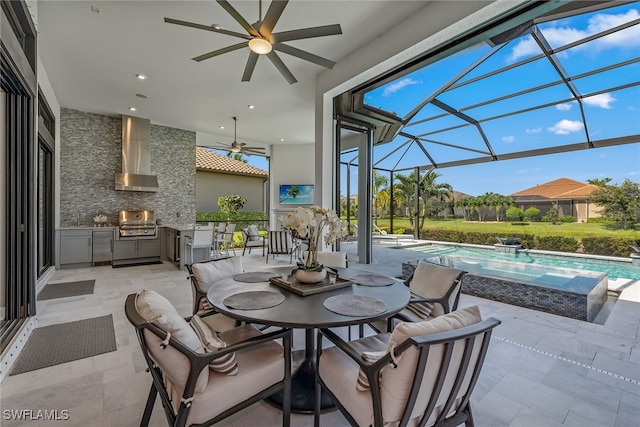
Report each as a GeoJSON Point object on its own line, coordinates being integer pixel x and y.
{"type": "Point", "coordinates": [571, 197]}
{"type": "Point", "coordinates": [218, 175]}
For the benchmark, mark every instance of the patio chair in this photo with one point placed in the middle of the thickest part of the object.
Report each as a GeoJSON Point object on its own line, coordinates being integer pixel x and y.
{"type": "Point", "coordinates": [203, 275]}
{"type": "Point", "coordinates": [435, 290]}
{"type": "Point", "coordinates": [202, 239]}
{"type": "Point", "coordinates": [421, 374]}
{"type": "Point", "coordinates": [201, 377]}
{"type": "Point", "coordinates": [281, 243]}
{"type": "Point", "coordinates": [225, 239]}
{"type": "Point", "coordinates": [253, 239]}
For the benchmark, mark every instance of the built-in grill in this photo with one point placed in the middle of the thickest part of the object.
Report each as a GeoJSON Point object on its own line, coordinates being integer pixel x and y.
{"type": "Point", "coordinates": [137, 225]}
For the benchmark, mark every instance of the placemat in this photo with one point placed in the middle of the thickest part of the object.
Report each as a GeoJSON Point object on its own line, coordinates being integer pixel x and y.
{"type": "Point", "coordinates": [255, 276]}
{"type": "Point", "coordinates": [371, 280]}
{"type": "Point", "coordinates": [355, 305]}
{"type": "Point", "coordinates": [253, 300]}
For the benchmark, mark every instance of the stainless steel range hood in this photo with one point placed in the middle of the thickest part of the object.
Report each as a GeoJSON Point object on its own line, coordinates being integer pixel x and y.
{"type": "Point", "coordinates": [136, 156]}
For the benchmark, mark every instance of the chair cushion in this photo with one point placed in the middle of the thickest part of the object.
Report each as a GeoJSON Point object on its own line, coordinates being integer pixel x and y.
{"type": "Point", "coordinates": [395, 384]}
{"type": "Point", "coordinates": [207, 273]}
{"type": "Point", "coordinates": [211, 342]}
{"type": "Point", "coordinates": [260, 367]}
{"type": "Point", "coordinates": [434, 281]}
{"type": "Point", "coordinates": [157, 310]}
{"type": "Point", "coordinates": [370, 356]}
{"type": "Point", "coordinates": [340, 373]}
{"type": "Point", "coordinates": [252, 232]}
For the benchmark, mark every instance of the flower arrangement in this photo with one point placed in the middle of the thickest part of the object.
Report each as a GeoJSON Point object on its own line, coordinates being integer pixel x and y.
{"type": "Point", "coordinates": [310, 223]}
{"type": "Point", "coordinates": [100, 219]}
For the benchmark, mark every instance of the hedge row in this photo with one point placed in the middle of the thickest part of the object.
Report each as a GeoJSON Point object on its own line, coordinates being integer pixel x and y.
{"type": "Point", "coordinates": [611, 246]}
{"type": "Point", "coordinates": [241, 219]}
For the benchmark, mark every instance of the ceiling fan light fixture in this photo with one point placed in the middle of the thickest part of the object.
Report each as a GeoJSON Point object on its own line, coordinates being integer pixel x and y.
{"type": "Point", "coordinates": [235, 149]}
{"type": "Point", "coordinates": [260, 45]}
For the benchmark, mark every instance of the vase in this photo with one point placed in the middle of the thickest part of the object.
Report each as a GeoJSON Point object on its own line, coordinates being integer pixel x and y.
{"type": "Point", "coordinates": [309, 276]}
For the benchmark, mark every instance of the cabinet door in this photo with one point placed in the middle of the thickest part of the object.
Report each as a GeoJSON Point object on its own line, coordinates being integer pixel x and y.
{"type": "Point", "coordinates": [148, 248]}
{"type": "Point", "coordinates": [125, 249]}
{"type": "Point", "coordinates": [75, 248]}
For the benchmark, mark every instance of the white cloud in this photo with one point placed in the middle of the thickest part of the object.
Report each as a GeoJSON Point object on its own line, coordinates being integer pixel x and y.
{"type": "Point", "coordinates": [560, 36]}
{"type": "Point", "coordinates": [565, 127]}
{"type": "Point", "coordinates": [603, 100]}
{"type": "Point", "coordinates": [394, 87]}
{"type": "Point", "coordinates": [564, 107]}
{"type": "Point", "coordinates": [523, 171]}
{"type": "Point", "coordinates": [508, 139]}
{"type": "Point", "coordinates": [534, 130]}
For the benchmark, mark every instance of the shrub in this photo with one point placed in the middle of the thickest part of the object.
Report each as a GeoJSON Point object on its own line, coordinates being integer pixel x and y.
{"type": "Point", "coordinates": [531, 214]}
{"type": "Point", "coordinates": [557, 243]}
{"type": "Point", "coordinates": [610, 246]}
{"type": "Point", "coordinates": [514, 214]}
{"type": "Point", "coordinates": [567, 218]}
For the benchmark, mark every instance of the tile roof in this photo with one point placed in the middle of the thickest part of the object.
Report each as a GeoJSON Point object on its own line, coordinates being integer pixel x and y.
{"type": "Point", "coordinates": [562, 188]}
{"type": "Point", "coordinates": [210, 161]}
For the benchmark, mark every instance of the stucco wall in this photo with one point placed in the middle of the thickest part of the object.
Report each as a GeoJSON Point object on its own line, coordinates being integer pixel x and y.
{"type": "Point", "coordinates": [210, 186]}
{"type": "Point", "coordinates": [90, 156]}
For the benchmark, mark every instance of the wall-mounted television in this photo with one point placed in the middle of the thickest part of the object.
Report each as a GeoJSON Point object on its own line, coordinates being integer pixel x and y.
{"type": "Point", "coordinates": [296, 194]}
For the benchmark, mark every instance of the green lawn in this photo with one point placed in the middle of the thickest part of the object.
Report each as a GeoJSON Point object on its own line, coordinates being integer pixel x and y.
{"type": "Point", "coordinates": [577, 230]}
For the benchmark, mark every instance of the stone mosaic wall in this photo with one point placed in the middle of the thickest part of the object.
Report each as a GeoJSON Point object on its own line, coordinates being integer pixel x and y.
{"type": "Point", "coordinates": [555, 301]}
{"type": "Point", "coordinates": [90, 156]}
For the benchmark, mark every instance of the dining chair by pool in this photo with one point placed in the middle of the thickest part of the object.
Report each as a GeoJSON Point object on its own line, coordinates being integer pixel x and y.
{"type": "Point", "coordinates": [420, 374]}
{"type": "Point", "coordinates": [203, 377]}
{"type": "Point", "coordinates": [435, 290]}
{"type": "Point", "coordinates": [253, 239]}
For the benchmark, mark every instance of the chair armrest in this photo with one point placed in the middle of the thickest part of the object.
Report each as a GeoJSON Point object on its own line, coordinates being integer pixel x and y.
{"type": "Point", "coordinates": [351, 352]}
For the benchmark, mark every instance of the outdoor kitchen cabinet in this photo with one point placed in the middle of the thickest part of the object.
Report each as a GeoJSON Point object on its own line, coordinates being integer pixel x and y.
{"type": "Point", "coordinates": [76, 247]}
{"type": "Point", "coordinates": [136, 251]}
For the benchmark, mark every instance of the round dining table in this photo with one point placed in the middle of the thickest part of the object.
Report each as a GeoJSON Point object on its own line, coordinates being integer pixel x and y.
{"type": "Point", "coordinates": [308, 312]}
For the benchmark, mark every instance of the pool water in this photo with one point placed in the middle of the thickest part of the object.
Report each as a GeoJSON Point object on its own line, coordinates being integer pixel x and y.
{"type": "Point", "coordinates": [614, 269]}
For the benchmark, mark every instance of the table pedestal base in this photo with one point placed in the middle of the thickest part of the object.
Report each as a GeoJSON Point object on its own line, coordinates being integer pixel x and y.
{"type": "Point", "coordinates": [303, 391]}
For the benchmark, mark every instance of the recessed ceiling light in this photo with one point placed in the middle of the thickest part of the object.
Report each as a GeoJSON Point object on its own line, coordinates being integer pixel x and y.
{"type": "Point", "coordinates": [281, 139]}
{"type": "Point", "coordinates": [221, 127]}
{"type": "Point", "coordinates": [216, 26]}
{"type": "Point", "coordinates": [132, 108]}
{"type": "Point", "coordinates": [251, 106]}
{"type": "Point", "coordinates": [141, 95]}
{"type": "Point", "coordinates": [141, 76]}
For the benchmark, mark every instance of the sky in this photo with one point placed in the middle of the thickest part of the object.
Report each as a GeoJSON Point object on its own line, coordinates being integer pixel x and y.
{"type": "Point", "coordinates": [608, 113]}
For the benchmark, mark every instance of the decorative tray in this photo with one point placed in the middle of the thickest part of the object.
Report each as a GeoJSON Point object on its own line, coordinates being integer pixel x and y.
{"type": "Point", "coordinates": [305, 289]}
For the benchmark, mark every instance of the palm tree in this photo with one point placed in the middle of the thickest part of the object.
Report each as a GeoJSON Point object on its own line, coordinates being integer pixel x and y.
{"type": "Point", "coordinates": [237, 156]}
{"type": "Point", "coordinates": [378, 183]}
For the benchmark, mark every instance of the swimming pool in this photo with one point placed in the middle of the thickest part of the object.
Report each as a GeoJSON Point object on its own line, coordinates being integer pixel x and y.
{"type": "Point", "coordinates": [614, 269]}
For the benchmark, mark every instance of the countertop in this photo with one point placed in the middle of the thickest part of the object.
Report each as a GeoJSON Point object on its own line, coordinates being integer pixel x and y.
{"type": "Point", "coordinates": [88, 227]}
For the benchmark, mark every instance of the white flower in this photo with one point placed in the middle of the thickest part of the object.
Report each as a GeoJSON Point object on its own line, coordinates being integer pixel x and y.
{"type": "Point", "coordinates": [310, 223]}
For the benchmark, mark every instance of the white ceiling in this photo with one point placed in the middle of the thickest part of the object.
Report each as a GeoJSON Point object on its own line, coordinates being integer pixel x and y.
{"type": "Point", "coordinates": [92, 60]}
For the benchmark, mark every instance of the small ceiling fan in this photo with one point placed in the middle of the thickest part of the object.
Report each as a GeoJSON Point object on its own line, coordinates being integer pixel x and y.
{"type": "Point", "coordinates": [239, 147]}
{"type": "Point", "coordinates": [262, 41]}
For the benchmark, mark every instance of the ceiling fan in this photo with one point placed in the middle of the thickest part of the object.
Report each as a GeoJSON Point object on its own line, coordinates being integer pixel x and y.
{"type": "Point", "coordinates": [239, 147]}
{"type": "Point", "coordinates": [262, 41]}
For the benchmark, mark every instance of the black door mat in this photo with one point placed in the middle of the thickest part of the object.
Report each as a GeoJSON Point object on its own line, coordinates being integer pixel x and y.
{"type": "Point", "coordinates": [67, 289]}
{"type": "Point", "coordinates": [66, 342]}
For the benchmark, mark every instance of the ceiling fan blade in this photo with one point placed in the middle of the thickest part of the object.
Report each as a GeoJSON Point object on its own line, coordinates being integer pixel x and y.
{"type": "Point", "coordinates": [253, 152]}
{"type": "Point", "coordinates": [251, 65]}
{"type": "Point", "coordinates": [307, 33]}
{"type": "Point", "coordinates": [304, 55]}
{"type": "Point", "coordinates": [234, 13]}
{"type": "Point", "coordinates": [252, 148]}
{"type": "Point", "coordinates": [271, 18]}
{"type": "Point", "coordinates": [220, 51]}
{"type": "Point", "coordinates": [275, 59]}
{"type": "Point", "coordinates": [206, 28]}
